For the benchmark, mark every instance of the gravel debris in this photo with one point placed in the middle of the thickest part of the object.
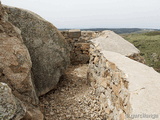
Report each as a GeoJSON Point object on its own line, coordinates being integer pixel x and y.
{"type": "Point", "coordinates": [73, 99]}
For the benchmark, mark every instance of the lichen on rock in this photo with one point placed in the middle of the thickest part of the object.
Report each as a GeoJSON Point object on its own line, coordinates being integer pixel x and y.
{"type": "Point", "coordinates": [10, 106]}
{"type": "Point", "coordinates": [48, 49]}
{"type": "Point", "coordinates": [15, 71]}
{"type": "Point", "coordinates": [15, 62]}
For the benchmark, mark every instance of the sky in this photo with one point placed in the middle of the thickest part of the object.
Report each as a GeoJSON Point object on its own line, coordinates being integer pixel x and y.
{"type": "Point", "coordinates": [95, 13]}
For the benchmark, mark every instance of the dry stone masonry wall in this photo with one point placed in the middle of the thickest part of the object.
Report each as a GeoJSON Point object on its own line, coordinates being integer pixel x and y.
{"type": "Point", "coordinates": [79, 44]}
{"type": "Point", "coordinates": [125, 87]}
{"type": "Point", "coordinates": [110, 85]}
{"type": "Point", "coordinates": [80, 41]}
{"type": "Point", "coordinates": [137, 57]}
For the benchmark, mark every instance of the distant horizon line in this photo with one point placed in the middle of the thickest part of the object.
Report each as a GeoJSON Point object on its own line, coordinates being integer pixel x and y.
{"type": "Point", "coordinates": [112, 28]}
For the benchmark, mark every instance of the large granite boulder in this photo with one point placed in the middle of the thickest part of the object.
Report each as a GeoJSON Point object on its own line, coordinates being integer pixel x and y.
{"type": "Point", "coordinates": [11, 108]}
{"type": "Point", "coordinates": [48, 49]}
{"type": "Point", "coordinates": [15, 70]}
{"type": "Point", "coordinates": [15, 62]}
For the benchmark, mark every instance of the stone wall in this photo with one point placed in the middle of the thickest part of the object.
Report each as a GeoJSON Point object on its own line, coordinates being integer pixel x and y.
{"type": "Point", "coordinates": [110, 41]}
{"type": "Point", "coordinates": [79, 44]}
{"type": "Point", "coordinates": [126, 89]}
{"type": "Point", "coordinates": [80, 41]}
{"type": "Point", "coordinates": [109, 84]}
{"type": "Point", "coordinates": [137, 57]}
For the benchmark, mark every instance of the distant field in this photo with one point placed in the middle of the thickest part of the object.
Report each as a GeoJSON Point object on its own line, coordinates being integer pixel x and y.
{"type": "Point", "coordinates": [149, 45]}
{"type": "Point", "coordinates": [118, 30]}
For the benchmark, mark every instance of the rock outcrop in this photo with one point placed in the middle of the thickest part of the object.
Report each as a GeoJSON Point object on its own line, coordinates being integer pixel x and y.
{"type": "Point", "coordinates": [15, 62]}
{"type": "Point", "coordinates": [15, 70]}
{"type": "Point", "coordinates": [48, 49]}
{"type": "Point", "coordinates": [11, 108]}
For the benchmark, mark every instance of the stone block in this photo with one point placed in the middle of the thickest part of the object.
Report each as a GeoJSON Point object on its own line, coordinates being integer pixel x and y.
{"type": "Point", "coordinates": [74, 33]}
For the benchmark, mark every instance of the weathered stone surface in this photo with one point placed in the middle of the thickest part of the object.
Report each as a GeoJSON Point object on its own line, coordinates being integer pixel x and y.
{"type": "Point", "coordinates": [48, 49]}
{"type": "Point", "coordinates": [143, 84]}
{"type": "Point", "coordinates": [1, 10]}
{"type": "Point", "coordinates": [15, 63]}
{"type": "Point", "coordinates": [33, 113]}
{"type": "Point", "coordinates": [79, 44]}
{"type": "Point", "coordinates": [81, 53]}
{"type": "Point", "coordinates": [15, 70]}
{"type": "Point", "coordinates": [126, 88]}
{"type": "Point", "coordinates": [88, 35]}
{"type": "Point", "coordinates": [110, 41]}
{"type": "Point", "coordinates": [107, 40]}
{"type": "Point", "coordinates": [74, 33]}
{"type": "Point", "coordinates": [110, 85]}
{"type": "Point", "coordinates": [15, 67]}
{"type": "Point", "coordinates": [11, 108]}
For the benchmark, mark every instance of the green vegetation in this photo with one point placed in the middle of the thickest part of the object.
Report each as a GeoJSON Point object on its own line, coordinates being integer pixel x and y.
{"type": "Point", "coordinates": [116, 30]}
{"type": "Point", "coordinates": [149, 45]}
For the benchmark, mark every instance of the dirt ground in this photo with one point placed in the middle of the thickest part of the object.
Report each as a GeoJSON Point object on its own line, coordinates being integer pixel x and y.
{"type": "Point", "coordinates": [73, 99]}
